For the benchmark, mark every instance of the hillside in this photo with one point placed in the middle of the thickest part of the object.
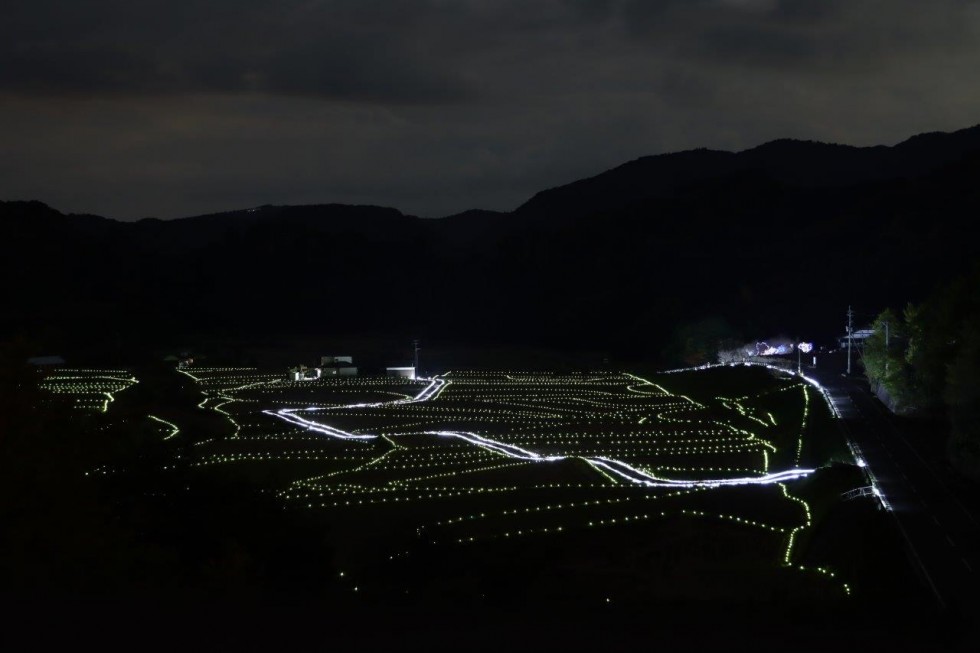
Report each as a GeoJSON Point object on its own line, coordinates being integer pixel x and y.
{"type": "Point", "coordinates": [775, 239]}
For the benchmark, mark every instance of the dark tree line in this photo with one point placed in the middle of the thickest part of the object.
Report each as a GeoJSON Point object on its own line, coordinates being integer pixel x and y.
{"type": "Point", "coordinates": [927, 360]}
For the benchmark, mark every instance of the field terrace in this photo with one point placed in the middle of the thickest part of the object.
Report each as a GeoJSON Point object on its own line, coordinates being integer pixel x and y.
{"type": "Point", "coordinates": [471, 458]}
{"type": "Point", "coordinates": [88, 390]}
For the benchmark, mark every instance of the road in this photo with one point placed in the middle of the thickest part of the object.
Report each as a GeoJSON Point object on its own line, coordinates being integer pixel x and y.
{"type": "Point", "coordinates": [941, 527]}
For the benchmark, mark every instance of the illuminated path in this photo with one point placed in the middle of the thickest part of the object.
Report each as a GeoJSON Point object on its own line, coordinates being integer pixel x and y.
{"type": "Point", "coordinates": [431, 391]}
{"type": "Point", "coordinates": [611, 466]}
{"type": "Point", "coordinates": [540, 419]}
{"type": "Point", "coordinates": [942, 533]}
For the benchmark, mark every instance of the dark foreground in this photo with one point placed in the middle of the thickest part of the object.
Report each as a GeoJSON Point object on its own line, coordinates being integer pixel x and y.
{"type": "Point", "coordinates": [157, 557]}
{"type": "Point", "coordinates": [117, 625]}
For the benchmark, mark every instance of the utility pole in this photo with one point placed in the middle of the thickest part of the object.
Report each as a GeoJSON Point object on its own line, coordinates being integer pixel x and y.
{"type": "Point", "coordinates": [416, 344]}
{"type": "Point", "coordinates": [799, 353]}
{"type": "Point", "coordinates": [850, 331]}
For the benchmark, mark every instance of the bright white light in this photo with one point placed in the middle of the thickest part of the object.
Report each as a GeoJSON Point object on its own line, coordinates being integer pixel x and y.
{"type": "Point", "coordinates": [618, 467]}
{"type": "Point", "coordinates": [643, 478]}
{"type": "Point", "coordinates": [432, 390]}
{"type": "Point", "coordinates": [764, 349]}
{"type": "Point", "coordinates": [289, 415]}
{"type": "Point", "coordinates": [615, 467]}
{"type": "Point", "coordinates": [510, 450]}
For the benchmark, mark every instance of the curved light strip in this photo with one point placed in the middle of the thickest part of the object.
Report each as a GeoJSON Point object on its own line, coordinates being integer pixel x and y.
{"type": "Point", "coordinates": [615, 467]}
{"type": "Point", "coordinates": [618, 467]}
{"type": "Point", "coordinates": [431, 391]}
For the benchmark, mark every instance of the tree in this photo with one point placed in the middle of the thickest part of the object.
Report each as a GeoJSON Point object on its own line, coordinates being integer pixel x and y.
{"type": "Point", "coordinates": [884, 359]}
{"type": "Point", "coordinates": [698, 343]}
{"type": "Point", "coordinates": [962, 397]}
{"type": "Point", "coordinates": [933, 363]}
{"type": "Point", "coordinates": [935, 336]}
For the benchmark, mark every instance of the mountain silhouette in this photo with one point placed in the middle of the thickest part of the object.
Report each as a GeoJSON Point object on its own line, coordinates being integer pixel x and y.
{"type": "Point", "coordinates": [779, 238]}
{"type": "Point", "coordinates": [803, 164]}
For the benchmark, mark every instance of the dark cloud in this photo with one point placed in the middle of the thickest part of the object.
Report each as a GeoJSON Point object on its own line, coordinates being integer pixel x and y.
{"type": "Point", "coordinates": [361, 51]}
{"type": "Point", "coordinates": [88, 70]}
{"type": "Point", "coordinates": [169, 108]}
{"type": "Point", "coordinates": [427, 50]}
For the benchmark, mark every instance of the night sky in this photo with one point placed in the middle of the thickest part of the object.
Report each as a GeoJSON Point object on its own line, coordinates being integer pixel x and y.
{"type": "Point", "coordinates": [136, 108]}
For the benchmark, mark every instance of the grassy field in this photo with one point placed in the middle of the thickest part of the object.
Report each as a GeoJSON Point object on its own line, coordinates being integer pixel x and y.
{"type": "Point", "coordinates": [569, 504]}
{"type": "Point", "coordinates": [721, 484]}
{"type": "Point", "coordinates": [580, 488]}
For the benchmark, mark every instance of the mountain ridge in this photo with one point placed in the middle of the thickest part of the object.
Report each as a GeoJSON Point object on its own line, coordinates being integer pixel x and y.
{"type": "Point", "coordinates": [642, 178]}
{"type": "Point", "coordinates": [630, 264]}
{"type": "Point", "coordinates": [969, 140]}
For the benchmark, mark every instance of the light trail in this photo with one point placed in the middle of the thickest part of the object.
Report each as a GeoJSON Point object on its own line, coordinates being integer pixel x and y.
{"type": "Point", "coordinates": [173, 427]}
{"type": "Point", "coordinates": [663, 407]}
{"type": "Point", "coordinates": [84, 385]}
{"type": "Point", "coordinates": [288, 415]}
{"type": "Point", "coordinates": [618, 467]}
{"type": "Point", "coordinates": [615, 468]}
{"type": "Point", "coordinates": [831, 404]}
{"type": "Point", "coordinates": [510, 450]}
{"type": "Point", "coordinates": [816, 384]}
{"type": "Point", "coordinates": [431, 391]}
{"type": "Point", "coordinates": [643, 478]}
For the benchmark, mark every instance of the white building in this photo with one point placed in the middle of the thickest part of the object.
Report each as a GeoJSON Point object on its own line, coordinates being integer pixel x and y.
{"type": "Point", "coordinates": [857, 338]}
{"type": "Point", "coordinates": [401, 372]}
{"type": "Point", "coordinates": [303, 373]}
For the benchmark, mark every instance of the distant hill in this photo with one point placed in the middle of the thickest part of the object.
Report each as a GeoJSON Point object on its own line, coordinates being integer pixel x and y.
{"type": "Point", "coordinates": [804, 164]}
{"type": "Point", "coordinates": [636, 260]}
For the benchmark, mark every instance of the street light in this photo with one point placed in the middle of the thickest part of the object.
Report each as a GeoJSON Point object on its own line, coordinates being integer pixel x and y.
{"type": "Point", "coordinates": [802, 348]}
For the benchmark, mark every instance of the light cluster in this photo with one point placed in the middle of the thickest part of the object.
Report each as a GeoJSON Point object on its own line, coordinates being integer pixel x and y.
{"type": "Point", "coordinates": [91, 390]}
{"type": "Point", "coordinates": [478, 456]}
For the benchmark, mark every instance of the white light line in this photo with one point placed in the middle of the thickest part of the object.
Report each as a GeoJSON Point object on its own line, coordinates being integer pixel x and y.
{"type": "Point", "coordinates": [615, 467]}
{"type": "Point", "coordinates": [811, 381]}
{"type": "Point", "coordinates": [510, 450]}
{"type": "Point", "coordinates": [288, 415]}
{"type": "Point", "coordinates": [173, 427]}
{"type": "Point", "coordinates": [431, 391]}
